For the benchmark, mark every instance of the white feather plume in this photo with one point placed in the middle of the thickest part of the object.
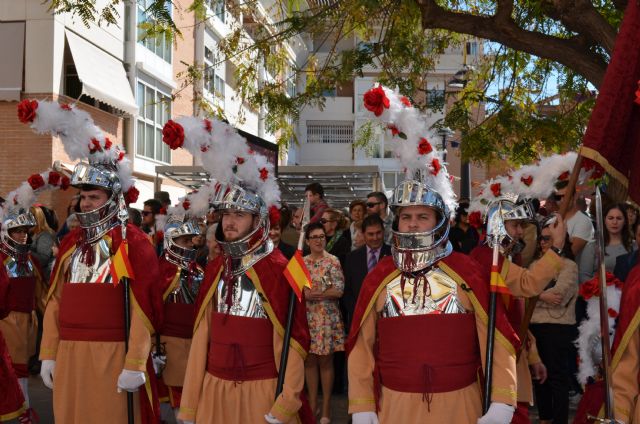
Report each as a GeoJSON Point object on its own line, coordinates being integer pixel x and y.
{"type": "Point", "coordinates": [81, 137]}
{"type": "Point", "coordinates": [411, 126]}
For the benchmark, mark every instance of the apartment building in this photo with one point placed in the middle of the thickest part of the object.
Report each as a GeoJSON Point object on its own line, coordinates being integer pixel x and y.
{"type": "Point", "coordinates": [336, 125]}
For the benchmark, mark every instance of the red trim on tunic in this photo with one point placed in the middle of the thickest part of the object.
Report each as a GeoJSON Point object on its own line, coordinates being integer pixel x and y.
{"type": "Point", "coordinates": [92, 312]}
{"type": "Point", "coordinates": [178, 320]}
{"type": "Point", "coordinates": [241, 348]}
{"type": "Point", "coordinates": [21, 296]}
{"type": "Point", "coordinates": [442, 356]}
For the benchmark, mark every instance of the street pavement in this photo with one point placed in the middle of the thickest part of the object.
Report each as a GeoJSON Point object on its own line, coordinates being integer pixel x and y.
{"type": "Point", "coordinates": [41, 402]}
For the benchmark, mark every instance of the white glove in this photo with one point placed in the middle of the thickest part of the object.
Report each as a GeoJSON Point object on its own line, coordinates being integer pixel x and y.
{"type": "Point", "coordinates": [271, 419]}
{"type": "Point", "coordinates": [47, 372]}
{"type": "Point", "coordinates": [159, 362]}
{"type": "Point", "coordinates": [364, 418]}
{"type": "Point", "coordinates": [498, 413]}
{"type": "Point", "coordinates": [130, 380]}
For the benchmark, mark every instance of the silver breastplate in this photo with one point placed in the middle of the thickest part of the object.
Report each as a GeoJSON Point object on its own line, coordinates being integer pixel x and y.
{"type": "Point", "coordinates": [98, 272]}
{"type": "Point", "coordinates": [14, 270]}
{"type": "Point", "coordinates": [440, 297]}
{"type": "Point", "coordinates": [245, 300]}
{"type": "Point", "coordinates": [187, 289]}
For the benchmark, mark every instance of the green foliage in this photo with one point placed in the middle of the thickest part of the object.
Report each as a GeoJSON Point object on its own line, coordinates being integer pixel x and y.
{"type": "Point", "coordinates": [514, 105]}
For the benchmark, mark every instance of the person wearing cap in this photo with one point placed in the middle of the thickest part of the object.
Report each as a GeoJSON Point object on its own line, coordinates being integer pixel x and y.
{"type": "Point", "coordinates": [181, 280]}
{"type": "Point", "coordinates": [21, 275]}
{"type": "Point", "coordinates": [418, 336]}
{"type": "Point", "coordinates": [83, 350]}
{"type": "Point", "coordinates": [241, 312]}
{"type": "Point", "coordinates": [512, 216]}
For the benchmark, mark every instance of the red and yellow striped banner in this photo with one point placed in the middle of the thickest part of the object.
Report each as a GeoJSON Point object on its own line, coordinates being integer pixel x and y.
{"type": "Point", "coordinates": [120, 265]}
{"type": "Point", "coordinates": [297, 274]}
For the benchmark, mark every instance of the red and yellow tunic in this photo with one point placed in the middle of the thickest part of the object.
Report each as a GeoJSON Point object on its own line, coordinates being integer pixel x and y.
{"type": "Point", "coordinates": [175, 334]}
{"type": "Point", "coordinates": [522, 282]}
{"type": "Point", "coordinates": [84, 334]}
{"type": "Point", "coordinates": [20, 326]}
{"type": "Point", "coordinates": [427, 367]}
{"type": "Point", "coordinates": [12, 403]}
{"type": "Point", "coordinates": [233, 362]}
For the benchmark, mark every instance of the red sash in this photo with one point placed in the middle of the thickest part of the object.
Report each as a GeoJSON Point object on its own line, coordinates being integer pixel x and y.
{"type": "Point", "coordinates": [241, 348]}
{"type": "Point", "coordinates": [22, 294]}
{"type": "Point", "coordinates": [92, 312]}
{"type": "Point", "coordinates": [428, 353]}
{"type": "Point", "coordinates": [178, 320]}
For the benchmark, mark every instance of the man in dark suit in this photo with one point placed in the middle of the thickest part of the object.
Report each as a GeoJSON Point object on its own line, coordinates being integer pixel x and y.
{"type": "Point", "coordinates": [362, 260]}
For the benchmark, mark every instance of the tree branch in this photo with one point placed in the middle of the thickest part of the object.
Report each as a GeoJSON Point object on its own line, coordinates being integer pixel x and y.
{"type": "Point", "coordinates": [568, 52]}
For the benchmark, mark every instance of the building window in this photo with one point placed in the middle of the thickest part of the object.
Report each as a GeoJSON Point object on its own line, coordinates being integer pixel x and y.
{"type": "Point", "coordinates": [330, 132]}
{"type": "Point", "coordinates": [214, 75]}
{"type": "Point", "coordinates": [159, 45]}
{"type": "Point", "coordinates": [154, 110]}
{"type": "Point", "coordinates": [217, 8]}
{"type": "Point", "coordinates": [472, 48]}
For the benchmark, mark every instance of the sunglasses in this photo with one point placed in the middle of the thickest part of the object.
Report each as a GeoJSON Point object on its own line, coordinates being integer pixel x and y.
{"type": "Point", "coordinates": [319, 237]}
{"type": "Point", "coordinates": [145, 213]}
{"type": "Point", "coordinates": [545, 238]}
{"type": "Point", "coordinates": [372, 204]}
{"type": "Point", "coordinates": [324, 221]}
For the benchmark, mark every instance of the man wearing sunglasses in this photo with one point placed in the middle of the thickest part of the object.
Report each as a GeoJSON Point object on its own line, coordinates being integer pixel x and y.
{"type": "Point", "coordinates": [377, 204]}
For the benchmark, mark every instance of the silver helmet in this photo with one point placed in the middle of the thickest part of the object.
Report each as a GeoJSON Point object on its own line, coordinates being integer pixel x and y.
{"type": "Point", "coordinates": [255, 245]}
{"type": "Point", "coordinates": [178, 226]}
{"type": "Point", "coordinates": [413, 252]}
{"type": "Point", "coordinates": [508, 207]}
{"type": "Point", "coordinates": [15, 218]}
{"type": "Point", "coordinates": [97, 222]}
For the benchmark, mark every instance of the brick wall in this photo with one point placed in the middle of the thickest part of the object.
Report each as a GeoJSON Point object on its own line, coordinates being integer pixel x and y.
{"type": "Point", "coordinates": [23, 152]}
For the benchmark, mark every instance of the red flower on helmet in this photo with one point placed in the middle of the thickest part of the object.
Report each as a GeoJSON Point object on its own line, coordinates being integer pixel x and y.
{"type": "Point", "coordinates": [475, 219]}
{"type": "Point", "coordinates": [27, 110]}
{"type": "Point", "coordinates": [264, 174]}
{"type": "Point", "coordinates": [65, 106]}
{"type": "Point", "coordinates": [65, 182]}
{"type": "Point", "coordinates": [405, 101]}
{"type": "Point", "coordinates": [239, 160]}
{"type": "Point", "coordinates": [208, 126]}
{"type": "Point", "coordinates": [120, 156]}
{"type": "Point", "coordinates": [496, 189]}
{"type": "Point", "coordinates": [36, 181]}
{"type": "Point", "coordinates": [424, 147]}
{"type": "Point", "coordinates": [394, 129]}
{"type": "Point", "coordinates": [376, 101]}
{"type": "Point", "coordinates": [186, 204]}
{"type": "Point", "coordinates": [527, 181]}
{"type": "Point", "coordinates": [173, 134]}
{"type": "Point", "coordinates": [435, 164]}
{"type": "Point", "coordinates": [94, 146]}
{"type": "Point", "coordinates": [107, 143]}
{"type": "Point", "coordinates": [131, 196]}
{"type": "Point", "coordinates": [204, 148]}
{"type": "Point", "coordinates": [590, 288]}
{"type": "Point", "coordinates": [54, 178]}
{"type": "Point", "coordinates": [612, 312]}
{"type": "Point", "coordinates": [274, 216]}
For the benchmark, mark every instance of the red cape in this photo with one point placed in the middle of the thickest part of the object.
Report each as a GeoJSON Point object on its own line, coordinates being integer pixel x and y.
{"type": "Point", "coordinates": [473, 279]}
{"type": "Point", "coordinates": [146, 297]}
{"type": "Point", "coordinates": [268, 277]}
{"type": "Point", "coordinates": [592, 401]}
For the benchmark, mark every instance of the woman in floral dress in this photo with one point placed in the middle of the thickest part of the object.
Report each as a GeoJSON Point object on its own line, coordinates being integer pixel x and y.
{"type": "Point", "coordinates": [323, 314]}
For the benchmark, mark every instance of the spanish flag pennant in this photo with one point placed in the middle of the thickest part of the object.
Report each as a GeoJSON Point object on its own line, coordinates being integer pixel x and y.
{"type": "Point", "coordinates": [297, 274]}
{"type": "Point", "coordinates": [497, 282]}
{"type": "Point", "coordinates": [120, 265]}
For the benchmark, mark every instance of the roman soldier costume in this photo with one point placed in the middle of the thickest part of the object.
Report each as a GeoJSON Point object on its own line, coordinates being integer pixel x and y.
{"type": "Point", "coordinates": [242, 304]}
{"type": "Point", "coordinates": [416, 345]}
{"type": "Point", "coordinates": [83, 353]}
